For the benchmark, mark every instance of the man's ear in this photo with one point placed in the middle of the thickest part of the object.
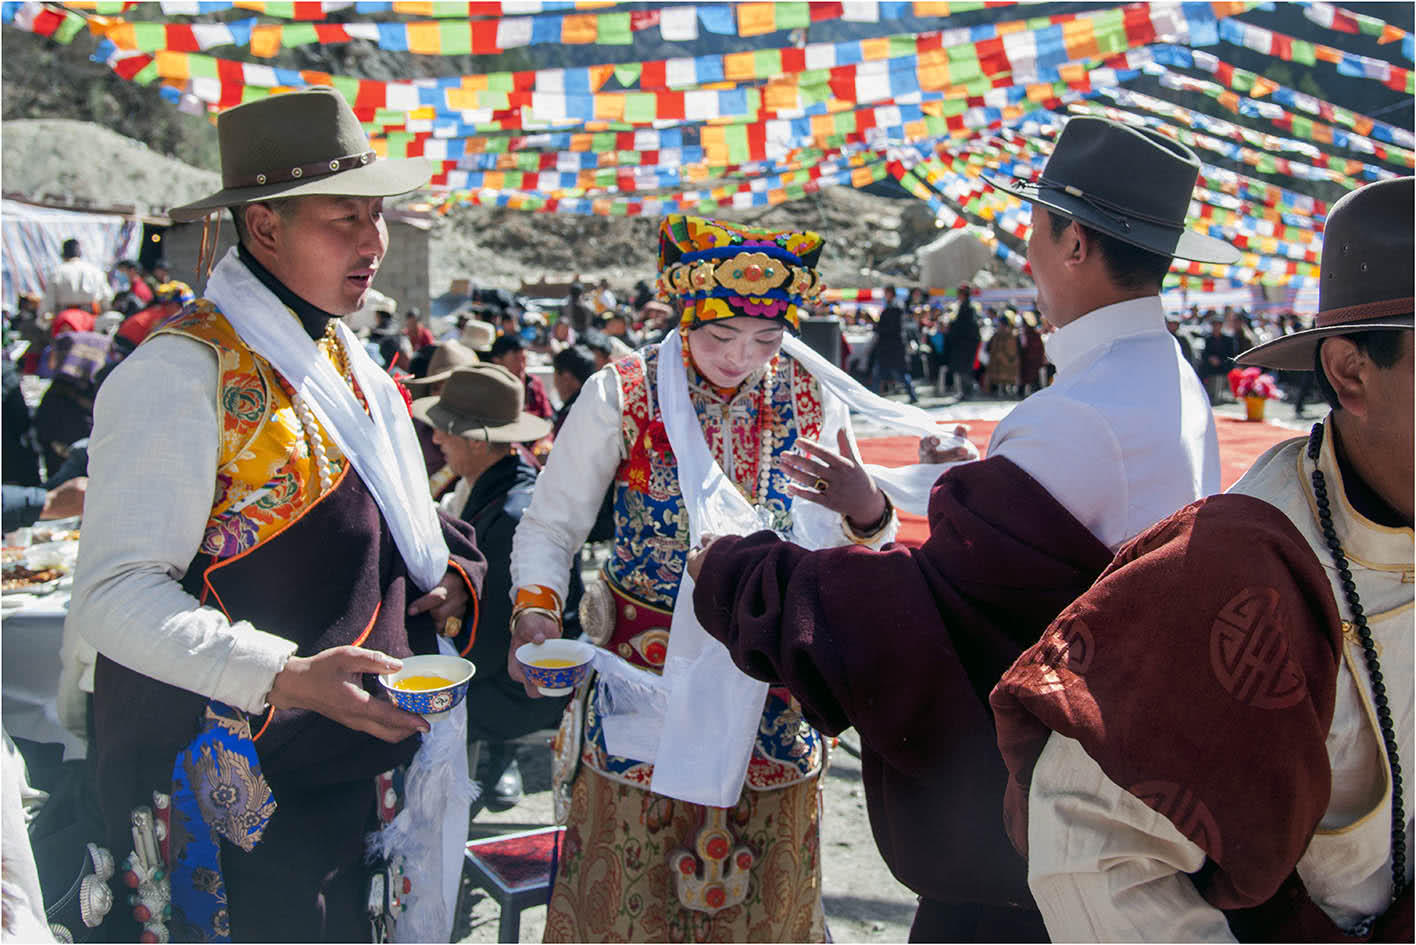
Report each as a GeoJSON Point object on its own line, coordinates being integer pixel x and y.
{"type": "Point", "coordinates": [1077, 245]}
{"type": "Point", "coordinates": [1347, 368]}
{"type": "Point", "coordinates": [262, 226]}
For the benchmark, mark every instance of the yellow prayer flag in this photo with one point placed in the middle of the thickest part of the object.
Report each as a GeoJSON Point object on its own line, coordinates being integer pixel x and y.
{"type": "Point", "coordinates": [609, 106]}
{"type": "Point", "coordinates": [172, 65]}
{"type": "Point", "coordinates": [599, 75]}
{"type": "Point", "coordinates": [926, 8]}
{"type": "Point", "coordinates": [875, 48]}
{"type": "Point", "coordinates": [494, 180]}
{"type": "Point", "coordinates": [739, 66]}
{"type": "Point", "coordinates": [580, 28]}
{"type": "Point", "coordinates": [425, 38]}
{"type": "Point", "coordinates": [780, 95]}
{"type": "Point", "coordinates": [265, 40]}
{"type": "Point", "coordinates": [1079, 40]}
{"type": "Point", "coordinates": [860, 177]}
{"type": "Point", "coordinates": [755, 19]}
{"type": "Point", "coordinates": [461, 99]}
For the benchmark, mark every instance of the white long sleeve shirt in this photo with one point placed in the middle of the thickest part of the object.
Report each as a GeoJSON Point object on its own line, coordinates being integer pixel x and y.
{"type": "Point", "coordinates": [75, 283]}
{"type": "Point", "coordinates": [1125, 435]}
{"type": "Point", "coordinates": [152, 477]}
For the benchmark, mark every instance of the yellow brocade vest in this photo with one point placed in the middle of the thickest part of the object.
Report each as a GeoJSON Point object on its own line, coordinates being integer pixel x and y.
{"type": "Point", "coordinates": [266, 477]}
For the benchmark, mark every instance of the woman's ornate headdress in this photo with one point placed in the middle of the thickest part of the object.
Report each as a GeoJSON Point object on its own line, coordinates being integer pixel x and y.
{"type": "Point", "coordinates": [722, 270]}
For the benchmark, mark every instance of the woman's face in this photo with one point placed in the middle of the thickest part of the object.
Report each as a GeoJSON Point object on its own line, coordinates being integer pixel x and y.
{"type": "Point", "coordinates": [727, 351]}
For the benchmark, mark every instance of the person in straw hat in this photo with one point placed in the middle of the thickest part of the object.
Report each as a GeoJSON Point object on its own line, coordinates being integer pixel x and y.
{"type": "Point", "coordinates": [259, 541]}
{"type": "Point", "coordinates": [675, 755]}
{"type": "Point", "coordinates": [1209, 744]}
{"type": "Point", "coordinates": [477, 415]}
{"type": "Point", "coordinates": [1122, 438]}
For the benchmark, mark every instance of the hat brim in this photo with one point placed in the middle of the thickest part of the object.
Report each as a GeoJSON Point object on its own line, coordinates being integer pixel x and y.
{"type": "Point", "coordinates": [380, 178]}
{"type": "Point", "coordinates": [1186, 244]}
{"type": "Point", "coordinates": [524, 429]}
{"type": "Point", "coordinates": [1295, 352]}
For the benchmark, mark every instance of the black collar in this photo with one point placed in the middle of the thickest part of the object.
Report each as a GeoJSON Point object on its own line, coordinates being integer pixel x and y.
{"type": "Point", "coordinates": [1365, 500]}
{"type": "Point", "coordinates": [313, 319]}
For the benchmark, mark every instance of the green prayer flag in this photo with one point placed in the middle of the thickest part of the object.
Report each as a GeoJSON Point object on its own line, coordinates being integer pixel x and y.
{"type": "Point", "coordinates": [600, 143]}
{"type": "Point", "coordinates": [348, 86]}
{"type": "Point", "coordinates": [201, 67]}
{"type": "Point", "coordinates": [1303, 52]}
{"type": "Point", "coordinates": [146, 74]}
{"type": "Point", "coordinates": [398, 144]}
{"type": "Point", "coordinates": [628, 73]}
{"type": "Point", "coordinates": [641, 106]}
{"type": "Point", "coordinates": [767, 63]}
{"type": "Point", "coordinates": [280, 10]}
{"type": "Point", "coordinates": [455, 38]}
{"type": "Point", "coordinates": [739, 151]}
{"type": "Point", "coordinates": [501, 82]}
{"type": "Point", "coordinates": [614, 29]}
{"type": "Point", "coordinates": [792, 16]}
{"type": "Point", "coordinates": [795, 191]}
{"type": "Point", "coordinates": [298, 34]}
{"type": "Point", "coordinates": [150, 37]}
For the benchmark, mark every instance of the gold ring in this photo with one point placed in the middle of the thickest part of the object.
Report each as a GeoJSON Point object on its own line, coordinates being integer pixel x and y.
{"type": "Point", "coordinates": [452, 626]}
{"type": "Point", "coordinates": [820, 484]}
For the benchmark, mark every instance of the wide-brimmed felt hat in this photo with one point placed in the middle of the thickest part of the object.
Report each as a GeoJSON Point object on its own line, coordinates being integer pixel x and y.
{"type": "Point", "coordinates": [1366, 275]}
{"type": "Point", "coordinates": [1130, 183]}
{"type": "Point", "coordinates": [446, 358]}
{"type": "Point", "coordinates": [479, 335]}
{"type": "Point", "coordinates": [482, 402]}
{"type": "Point", "coordinates": [296, 144]}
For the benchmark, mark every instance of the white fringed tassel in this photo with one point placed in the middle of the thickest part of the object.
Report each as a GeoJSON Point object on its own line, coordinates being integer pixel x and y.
{"type": "Point", "coordinates": [430, 833]}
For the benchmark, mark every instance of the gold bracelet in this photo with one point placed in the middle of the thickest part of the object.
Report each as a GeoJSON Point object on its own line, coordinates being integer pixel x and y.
{"type": "Point", "coordinates": [869, 538]}
{"type": "Point", "coordinates": [519, 612]}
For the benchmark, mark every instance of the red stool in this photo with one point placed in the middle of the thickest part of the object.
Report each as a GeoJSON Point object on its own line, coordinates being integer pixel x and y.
{"type": "Point", "coordinates": [515, 870]}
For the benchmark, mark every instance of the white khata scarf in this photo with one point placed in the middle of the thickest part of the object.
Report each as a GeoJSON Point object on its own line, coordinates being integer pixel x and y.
{"type": "Point", "coordinates": [663, 719]}
{"type": "Point", "coordinates": [381, 444]}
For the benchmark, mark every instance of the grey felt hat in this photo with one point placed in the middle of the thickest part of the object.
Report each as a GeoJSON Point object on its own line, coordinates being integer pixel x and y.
{"type": "Point", "coordinates": [297, 144]}
{"type": "Point", "coordinates": [1365, 280]}
{"type": "Point", "coordinates": [482, 402]}
{"type": "Point", "coordinates": [1130, 183]}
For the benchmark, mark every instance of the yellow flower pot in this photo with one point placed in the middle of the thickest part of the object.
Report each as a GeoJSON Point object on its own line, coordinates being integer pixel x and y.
{"type": "Point", "coordinates": [1255, 407]}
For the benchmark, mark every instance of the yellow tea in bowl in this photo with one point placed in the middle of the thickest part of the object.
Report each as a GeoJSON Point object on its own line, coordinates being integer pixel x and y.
{"type": "Point", "coordinates": [421, 683]}
{"type": "Point", "coordinates": [553, 663]}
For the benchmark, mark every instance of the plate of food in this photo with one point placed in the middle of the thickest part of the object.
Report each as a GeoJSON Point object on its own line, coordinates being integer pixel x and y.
{"type": "Point", "coordinates": [20, 578]}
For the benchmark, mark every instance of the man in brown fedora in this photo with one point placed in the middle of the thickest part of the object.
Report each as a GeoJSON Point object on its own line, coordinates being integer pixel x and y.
{"type": "Point", "coordinates": [477, 416]}
{"type": "Point", "coordinates": [259, 542]}
{"type": "Point", "coordinates": [1208, 744]}
{"type": "Point", "coordinates": [1122, 438]}
{"type": "Point", "coordinates": [446, 357]}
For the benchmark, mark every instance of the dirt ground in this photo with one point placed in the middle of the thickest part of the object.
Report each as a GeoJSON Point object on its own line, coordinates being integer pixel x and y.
{"type": "Point", "coordinates": [864, 903]}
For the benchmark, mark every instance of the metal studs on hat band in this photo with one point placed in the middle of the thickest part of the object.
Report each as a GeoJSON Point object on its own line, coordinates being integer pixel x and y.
{"type": "Point", "coordinates": [296, 172]}
{"type": "Point", "coordinates": [364, 159]}
{"type": "Point", "coordinates": [260, 178]}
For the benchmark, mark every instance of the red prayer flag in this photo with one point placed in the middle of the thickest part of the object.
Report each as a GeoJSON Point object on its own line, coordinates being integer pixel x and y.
{"type": "Point", "coordinates": [653, 76]}
{"type": "Point", "coordinates": [180, 38]}
{"type": "Point", "coordinates": [643, 19]}
{"type": "Point", "coordinates": [825, 11]}
{"type": "Point", "coordinates": [484, 37]}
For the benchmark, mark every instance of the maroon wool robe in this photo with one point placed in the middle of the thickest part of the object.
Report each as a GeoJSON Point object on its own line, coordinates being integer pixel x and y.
{"type": "Point", "coordinates": [1200, 673]}
{"type": "Point", "coordinates": [904, 645]}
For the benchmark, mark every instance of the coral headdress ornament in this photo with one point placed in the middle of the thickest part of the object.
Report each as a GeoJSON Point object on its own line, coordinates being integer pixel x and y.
{"type": "Point", "coordinates": [722, 270]}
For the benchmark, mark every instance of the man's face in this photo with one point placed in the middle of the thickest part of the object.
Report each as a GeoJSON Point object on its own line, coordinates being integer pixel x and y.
{"type": "Point", "coordinates": [461, 454]}
{"type": "Point", "coordinates": [1045, 258]}
{"type": "Point", "coordinates": [566, 385]}
{"type": "Point", "coordinates": [327, 249]}
{"type": "Point", "coordinates": [513, 361]}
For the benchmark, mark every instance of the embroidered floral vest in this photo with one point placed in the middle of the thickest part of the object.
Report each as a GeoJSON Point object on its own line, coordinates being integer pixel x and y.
{"type": "Point", "coordinates": [652, 535]}
{"type": "Point", "coordinates": [265, 475]}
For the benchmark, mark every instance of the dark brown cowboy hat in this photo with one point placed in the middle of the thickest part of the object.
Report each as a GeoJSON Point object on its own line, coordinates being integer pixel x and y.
{"type": "Point", "coordinates": [447, 357]}
{"type": "Point", "coordinates": [1366, 278]}
{"type": "Point", "coordinates": [482, 402]}
{"type": "Point", "coordinates": [1130, 183]}
{"type": "Point", "coordinates": [297, 144]}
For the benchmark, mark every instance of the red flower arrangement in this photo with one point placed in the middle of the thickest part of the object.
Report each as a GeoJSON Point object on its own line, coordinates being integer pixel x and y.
{"type": "Point", "coordinates": [1252, 382]}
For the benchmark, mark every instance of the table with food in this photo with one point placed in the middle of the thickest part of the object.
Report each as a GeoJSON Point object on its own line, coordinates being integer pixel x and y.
{"type": "Point", "coordinates": [38, 573]}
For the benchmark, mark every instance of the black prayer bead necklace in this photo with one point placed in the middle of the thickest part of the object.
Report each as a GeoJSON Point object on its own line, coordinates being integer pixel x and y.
{"type": "Point", "coordinates": [1374, 667]}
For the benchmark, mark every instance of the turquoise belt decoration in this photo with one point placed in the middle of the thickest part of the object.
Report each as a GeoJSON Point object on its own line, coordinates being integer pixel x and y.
{"type": "Point", "coordinates": [218, 793]}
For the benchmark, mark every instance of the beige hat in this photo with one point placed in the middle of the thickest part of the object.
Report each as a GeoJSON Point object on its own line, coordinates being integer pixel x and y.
{"type": "Point", "coordinates": [296, 144]}
{"type": "Point", "coordinates": [482, 402]}
{"type": "Point", "coordinates": [479, 335]}
{"type": "Point", "coordinates": [446, 358]}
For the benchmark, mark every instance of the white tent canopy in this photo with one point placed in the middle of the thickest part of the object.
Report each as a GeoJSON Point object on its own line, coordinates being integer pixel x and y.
{"type": "Point", "coordinates": [32, 238]}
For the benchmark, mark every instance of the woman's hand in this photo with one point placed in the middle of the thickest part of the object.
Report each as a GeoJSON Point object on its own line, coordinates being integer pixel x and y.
{"type": "Point", "coordinates": [532, 628]}
{"type": "Point", "coordinates": [835, 480]}
{"type": "Point", "coordinates": [929, 451]}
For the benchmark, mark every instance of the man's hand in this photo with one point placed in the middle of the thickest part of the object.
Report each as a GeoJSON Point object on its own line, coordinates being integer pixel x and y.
{"type": "Point", "coordinates": [532, 628]}
{"type": "Point", "coordinates": [930, 453]}
{"type": "Point", "coordinates": [696, 555]}
{"type": "Point", "coordinates": [66, 500]}
{"type": "Point", "coordinates": [328, 683]}
{"type": "Point", "coordinates": [835, 480]}
{"type": "Point", "coordinates": [449, 599]}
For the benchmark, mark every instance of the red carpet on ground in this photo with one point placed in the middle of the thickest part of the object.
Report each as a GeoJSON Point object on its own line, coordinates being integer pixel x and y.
{"type": "Point", "coordinates": [1240, 443]}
